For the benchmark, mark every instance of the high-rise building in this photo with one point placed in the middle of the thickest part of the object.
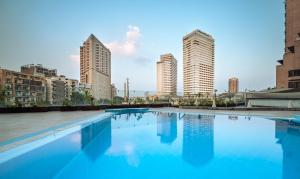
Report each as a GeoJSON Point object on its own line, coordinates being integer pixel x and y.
{"type": "Point", "coordinates": [38, 70]}
{"type": "Point", "coordinates": [198, 63]}
{"type": "Point", "coordinates": [126, 90]}
{"type": "Point", "coordinates": [288, 72]}
{"type": "Point", "coordinates": [22, 88]}
{"type": "Point", "coordinates": [233, 85]}
{"type": "Point", "coordinates": [166, 75]}
{"type": "Point", "coordinates": [95, 67]}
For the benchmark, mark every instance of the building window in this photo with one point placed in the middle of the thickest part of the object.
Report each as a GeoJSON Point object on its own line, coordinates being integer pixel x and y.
{"type": "Point", "coordinates": [291, 49]}
{"type": "Point", "coordinates": [294, 84]}
{"type": "Point", "coordinates": [293, 73]}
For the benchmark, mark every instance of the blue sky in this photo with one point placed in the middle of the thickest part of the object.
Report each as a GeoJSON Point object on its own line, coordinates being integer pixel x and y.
{"type": "Point", "coordinates": [249, 36]}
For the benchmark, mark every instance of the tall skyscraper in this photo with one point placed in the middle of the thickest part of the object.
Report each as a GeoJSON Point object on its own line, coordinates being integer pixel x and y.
{"type": "Point", "coordinates": [126, 90]}
{"type": "Point", "coordinates": [198, 63]}
{"type": "Point", "coordinates": [233, 85]}
{"type": "Point", "coordinates": [166, 75]}
{"type": "Point", "coordinates": [95, 67]}
{"type": "Point", "coordinates": [288, 72]}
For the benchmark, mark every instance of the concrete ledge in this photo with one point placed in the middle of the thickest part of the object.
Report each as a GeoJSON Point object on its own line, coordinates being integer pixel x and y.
{"type": "Point", "coordinates": [77, 108]}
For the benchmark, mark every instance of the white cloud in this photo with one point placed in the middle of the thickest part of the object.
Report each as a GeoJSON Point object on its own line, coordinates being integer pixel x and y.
{"type": "Point", "coordinates": [128, 47]}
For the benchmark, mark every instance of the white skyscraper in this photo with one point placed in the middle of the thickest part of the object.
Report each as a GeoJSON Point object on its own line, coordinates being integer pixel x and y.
{"type": "Point", "coordinates": [166, 75]}
{"type": "Point", "coordinates": [95, 67]}
{"type": "Point", "coordinates": [198, 63]}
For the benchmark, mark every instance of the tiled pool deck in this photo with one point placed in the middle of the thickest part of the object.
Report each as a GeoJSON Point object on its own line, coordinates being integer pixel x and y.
{"type": "Point", "coordinates": [26, 127]}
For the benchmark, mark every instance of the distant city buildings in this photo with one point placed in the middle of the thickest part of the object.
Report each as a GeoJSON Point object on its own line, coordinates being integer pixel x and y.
{"type": "Point", "coordinates": [166, 75]}
{"type": "Point", "coordinates": [198, 63]}
{"type": "Point", "coordinates": [288, 72]}
{"type": "Point", "coordinates": [233, 85]}
{"type": "Point", "coordinates": [95, 67]}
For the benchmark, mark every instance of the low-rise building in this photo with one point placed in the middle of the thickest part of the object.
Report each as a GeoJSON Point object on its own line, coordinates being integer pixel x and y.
{"type": "Point", "coordinates": [60, 88]}
{"type": "Point", "coordinates": [22, 89]}
{"type": "Point", "coordinates": [38, 70]}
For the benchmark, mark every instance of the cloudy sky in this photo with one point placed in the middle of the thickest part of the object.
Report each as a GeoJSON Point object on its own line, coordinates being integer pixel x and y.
{"type": "Point", "coordinates": [249, 36]}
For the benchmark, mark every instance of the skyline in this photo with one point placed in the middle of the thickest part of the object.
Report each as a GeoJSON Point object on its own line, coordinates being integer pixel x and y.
{"type": "Point", "coordinates": [254, 32]}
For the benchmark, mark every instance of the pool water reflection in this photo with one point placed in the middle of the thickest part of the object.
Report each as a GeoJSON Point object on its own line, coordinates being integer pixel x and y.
{"type": "Point", "coordinates": [167, 145]}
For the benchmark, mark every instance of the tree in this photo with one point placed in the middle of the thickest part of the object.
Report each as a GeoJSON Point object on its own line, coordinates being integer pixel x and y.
{"type": "Point", "coordinates": [18, 103]}
{"type": "Point", "coordinates": [2, 96]}
{"type": "Point", "coordinates": [66, 102]}
{"type": "Point", "coordinates": [77, 98]}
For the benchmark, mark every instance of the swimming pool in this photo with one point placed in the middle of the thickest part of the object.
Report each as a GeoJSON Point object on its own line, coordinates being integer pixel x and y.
{"type": "Point", "coordinates": [150, 144]}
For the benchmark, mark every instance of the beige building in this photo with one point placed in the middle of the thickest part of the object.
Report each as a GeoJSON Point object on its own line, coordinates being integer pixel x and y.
{"type": "Point", "coordinates": [198, 63]}
{"type": "Point", "coordinates": [38, 70]}
{"type": "Point", "coordinates": [166, 75]}
{"type": "Point", "coordinates": [95, 67]}
{"type": "Point", "coordinates": [288, 72]}
{"type": "Point", "coordinates": [233, 85]}
{"type": "Point", "coordinates": [22, 88]}
{"type": "Point", "coordinates": [60, 88]}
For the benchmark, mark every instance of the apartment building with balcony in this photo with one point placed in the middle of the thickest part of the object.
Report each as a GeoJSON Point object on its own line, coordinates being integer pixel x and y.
{"type": "Point", "coordinates": [22, 89]}
{"type": "Point", "coordinates": [60, 88]}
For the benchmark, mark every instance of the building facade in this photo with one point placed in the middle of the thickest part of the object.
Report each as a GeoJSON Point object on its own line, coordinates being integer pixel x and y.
{"type": "Point", "coordinates": [55, 90]}
{"type": "Point", "coordinates": [288, 72]}
{"type": "Point", "coordinates": [60, 88]}
{"type": "Point", "coordinates": [38, 70]}
{"type": "Point", "coordinates": [21, 88]}
{"type": "Point", "coordinates": [233, 85]}
{"type": "Point", "coordinates": [166, 75]}
{"type": "Point", "coordinates": [126, 90]}
{"type": "Point", "coordinates": [198, 63]}
{"type": "Point", "coordinates": [95, 67]}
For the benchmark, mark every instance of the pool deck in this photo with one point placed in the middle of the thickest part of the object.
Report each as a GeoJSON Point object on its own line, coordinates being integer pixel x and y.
{"type": "Point", "coordinates": [19, 128]}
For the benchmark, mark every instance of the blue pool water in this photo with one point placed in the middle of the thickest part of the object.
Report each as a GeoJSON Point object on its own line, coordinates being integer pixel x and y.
{"type": "Point", "coordinates": [166, 145]}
